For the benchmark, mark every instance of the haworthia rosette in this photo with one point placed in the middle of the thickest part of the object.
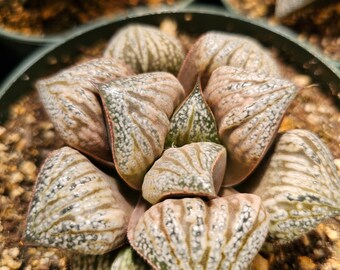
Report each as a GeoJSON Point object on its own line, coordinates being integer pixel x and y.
{"type": "Point", "coordinates": [189, 233]}
{"type": "Point", "coordinates": [145, 48]}
{"type": "Point", "coordinates": [196, 169]}
{"type": "Point", "coordinates": [72, 105]}
{"type": "Point", "coordinates": [138, 109]}
{"type": "Point", "coordinates": [216, 49]}
{"type": "Point", "coordinates": [248, 108]}
{"type": "Point", "coordinates": [193, 121]}
{"type": "Point", "coordinates": [76, 206]}
{"type": "Point", "coordinates": [299, 185]}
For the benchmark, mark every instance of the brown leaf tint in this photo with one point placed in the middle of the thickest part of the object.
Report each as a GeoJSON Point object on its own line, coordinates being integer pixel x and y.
{"type": "Point", "coordinates": [224, 233]}
{"type": "Point", "coordinates": [196, 169]}
{"type": "Point", "coordinates": [145, 48]}
{"type": "Point", "coordinates": [73, 107]}
{"type": "Point", "coordinates": [299, 185]}
{"type": "Point", "coordinates": [76, 206]}
{"type": "Point", "coordinates": [216, 49]}
{"type": "Point", "coordinates": [138, 109]}
{"type": "Point", "coordinates": [248, 108]}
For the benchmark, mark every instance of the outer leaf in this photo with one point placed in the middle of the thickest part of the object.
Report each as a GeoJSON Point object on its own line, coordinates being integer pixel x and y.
{"type": "Point", "coordinates": [138, 110]}
{"type": "Point", "coordinates": [76, 206]}
{"type": "Point", "coordinates": [248, 108]}
{"type": "Point", "coordinates": [216, 49]}
{"type": "Point", "coordinates": [299, 187]}
{"type": "Point", "coordinates": [224, 233]}
{"type": "Point", "coordinates": [195, 169]}
{"type": "Point", "coordinates": [192, 122]}
{"type": "Point", "coordinates": [69, 100]}
{"type": "Point", "coordinates": [145, 48]}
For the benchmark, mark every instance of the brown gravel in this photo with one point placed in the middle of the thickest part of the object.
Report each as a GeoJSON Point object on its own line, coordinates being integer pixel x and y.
{"type": "Point", "coordinates": [41, 17]}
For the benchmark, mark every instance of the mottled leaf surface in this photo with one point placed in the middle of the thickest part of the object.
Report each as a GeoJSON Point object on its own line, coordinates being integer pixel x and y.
{"type": "Point", "coordinates": [145, 48]}
{"type": "Point", "coordinates": [73, 107]}
{"type": "Point", "coordinates": [76, 206]}
{"type": "Point", "coordinates": [224, 233]}
{"type": "Point", "coordinates": [299, 187]}
{"type": "Point", "coordinates": [196, 169]}
{"type": "Point", "coordinates": [192, 122]}
{"type": "Point", "coordinates": [248, 108]}
{"type": "Point", "coordinates": [216, 49]}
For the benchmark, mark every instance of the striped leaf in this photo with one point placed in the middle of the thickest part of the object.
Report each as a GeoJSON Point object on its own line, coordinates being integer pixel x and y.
{"type": "Point", "coordinates": [182, 234]}
{"type": "Point", "coordinates": [299, 187]}
{"type": "Point", "coordinates": [145, 48]}
{"type": "Point", "coordinates": [128, 259]}
{"type": "Point", "coordinates": [138, 109]}
{"type": "Point", "coordinates": [248, 108]}
{"type": "Point", "coordinates": [70, 101]}
{"type": "Point", "coordinates": [193, 121]}
{"type": "Point", "coordinates": [195, 169]}
{"type": "Point", "coordinates": [76, 206]}
{"type": "Point", "coordinates": [216, 49]}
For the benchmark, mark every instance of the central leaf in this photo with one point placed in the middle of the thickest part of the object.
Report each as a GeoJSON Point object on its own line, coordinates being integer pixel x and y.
{"type": "Point", "coordinates": [192, 122]}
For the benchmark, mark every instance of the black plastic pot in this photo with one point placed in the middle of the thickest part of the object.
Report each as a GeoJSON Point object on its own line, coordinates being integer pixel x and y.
{"type": "Point", "coordinates": [194, 22]}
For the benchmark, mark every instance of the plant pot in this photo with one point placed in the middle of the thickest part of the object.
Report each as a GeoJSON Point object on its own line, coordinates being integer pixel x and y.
{"type": "Point", "coordinates": [301, 56]}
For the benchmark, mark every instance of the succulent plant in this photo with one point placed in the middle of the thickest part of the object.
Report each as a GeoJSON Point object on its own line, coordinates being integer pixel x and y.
{"type": "Point", "coordinates": [177, 141]}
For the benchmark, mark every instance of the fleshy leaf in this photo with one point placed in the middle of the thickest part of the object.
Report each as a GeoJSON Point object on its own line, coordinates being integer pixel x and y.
{"type": "Point", "coordinates": [145, 48]}
{"type": "Point", "coordinates": [128, 259]}
{"type": "Point", "coordinates": [216, 49]}
{"type": "Point", "coordinates": [138, 109]}
{"type": "Point", "coordinates": [248, 108]}
{"type": "Point", "coordinates": [224, 233]}
{"type": "Point", "coordinates": [195, 169]}
{"type": "Point", "coordinates": [70, 101]}
{"type": "Point", "coordinates": [299, 185]}
{"type": "Point", "coordinates": [192, 122]}
{"type": "Point", "coordinates": [76, 206]}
